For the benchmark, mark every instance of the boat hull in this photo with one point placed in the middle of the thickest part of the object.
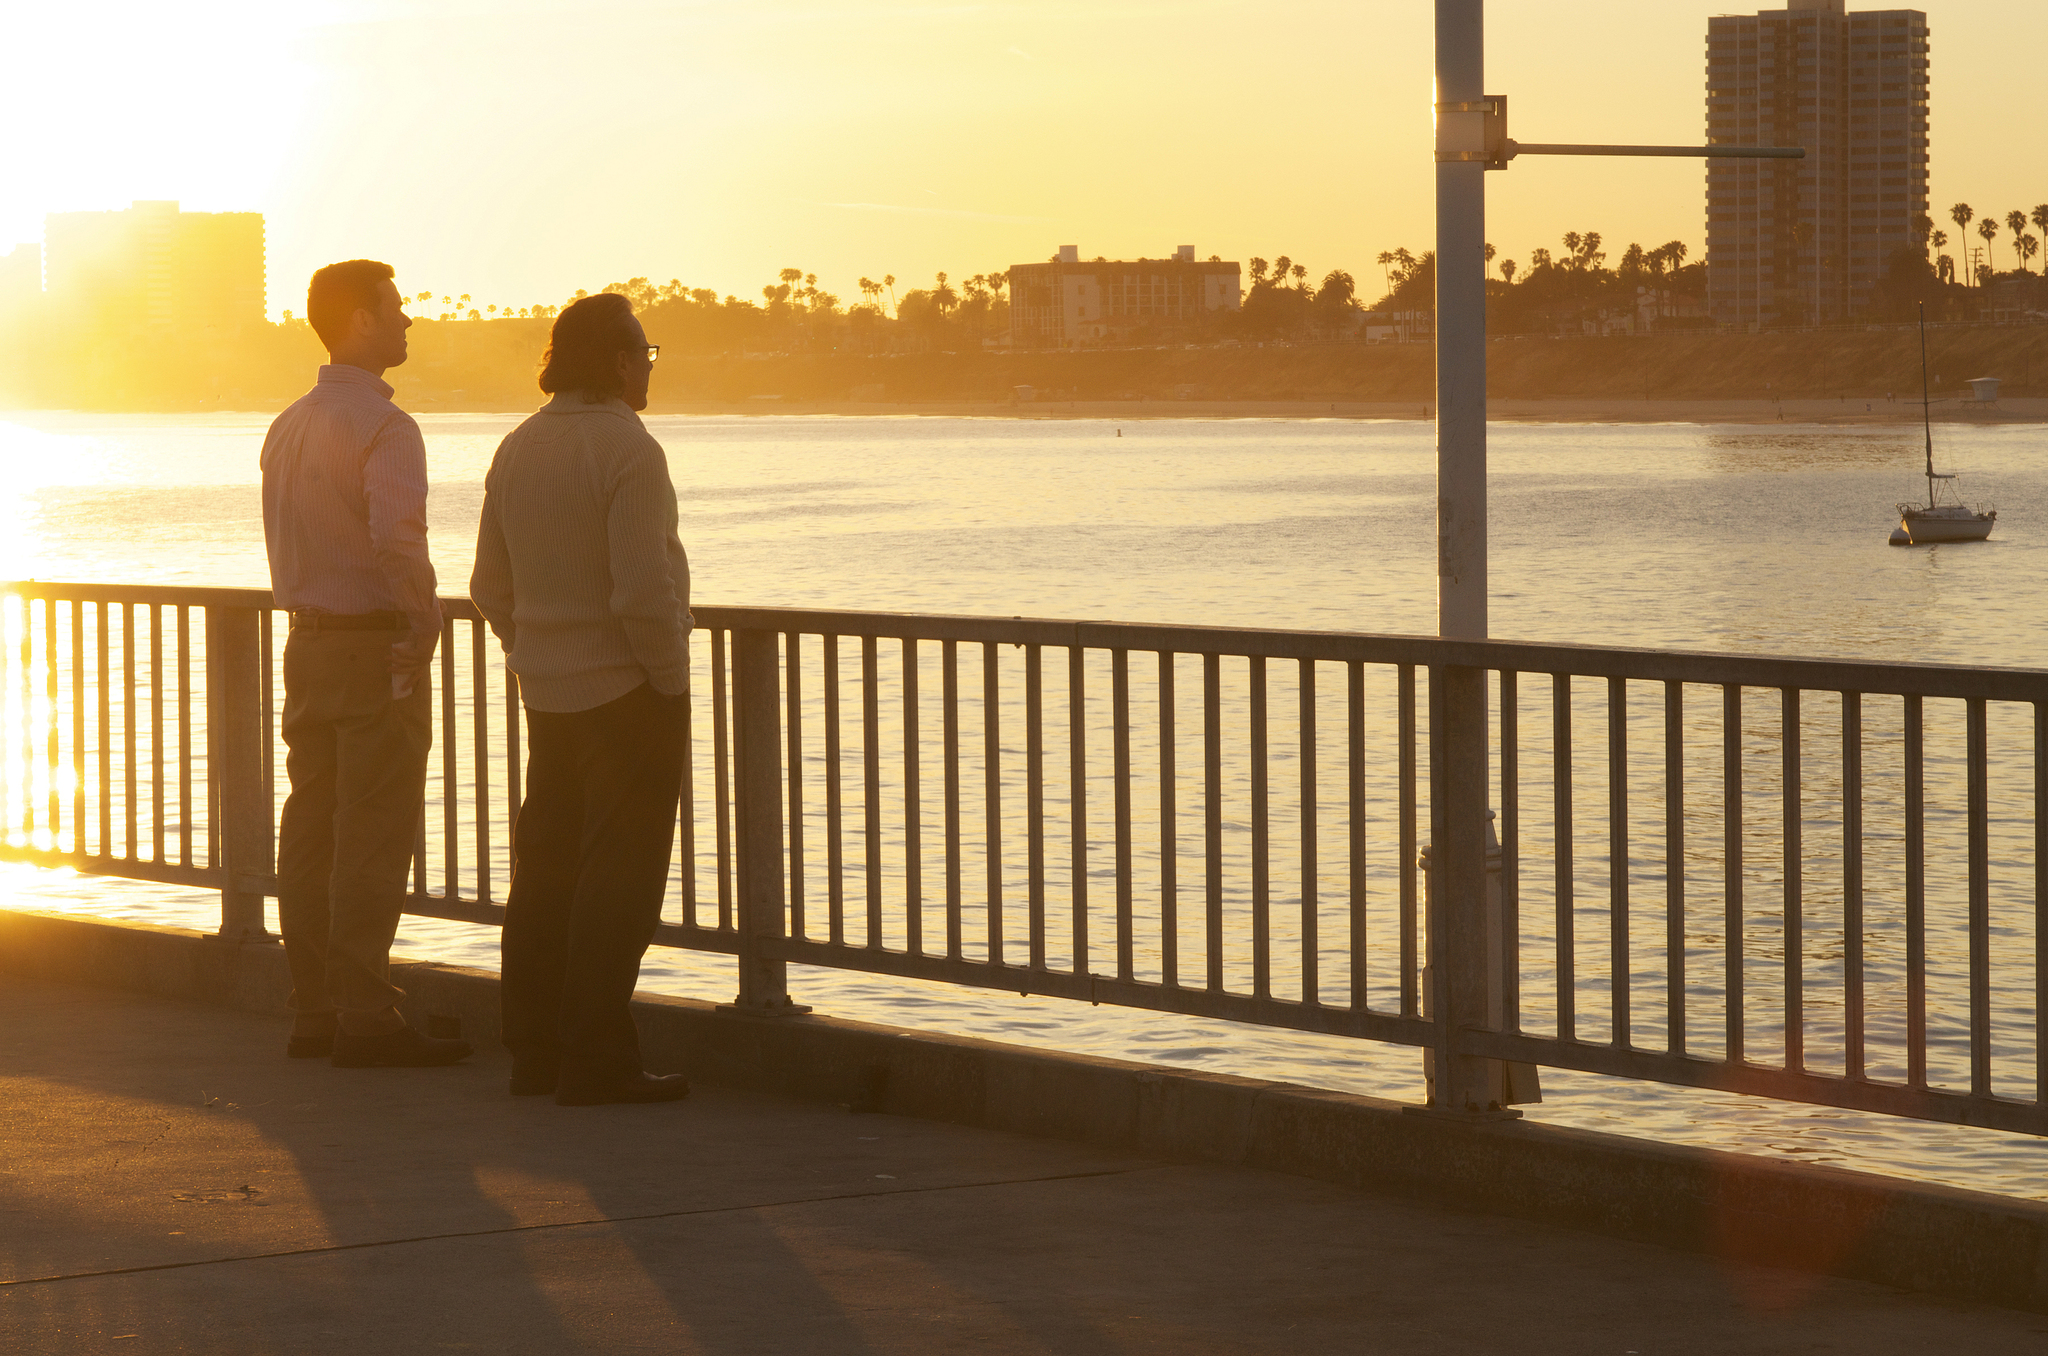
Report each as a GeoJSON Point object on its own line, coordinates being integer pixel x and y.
{"type": "Point", "coordinates": [1930, 531]}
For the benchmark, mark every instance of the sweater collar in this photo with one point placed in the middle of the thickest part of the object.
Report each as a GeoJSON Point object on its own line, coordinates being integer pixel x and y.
{"type": "Point", "coordinates": [572, 402]}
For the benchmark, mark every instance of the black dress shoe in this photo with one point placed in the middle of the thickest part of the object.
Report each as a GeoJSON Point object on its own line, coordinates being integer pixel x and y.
{"type": "Point", "coordinates": [404, 1048]}
{"type": "Point", "coordinates": [534, 1077]}
{"type": "Point", "coordinates": [640, 1087]}
{"type": "Point", "coordinates": [309, 1047]}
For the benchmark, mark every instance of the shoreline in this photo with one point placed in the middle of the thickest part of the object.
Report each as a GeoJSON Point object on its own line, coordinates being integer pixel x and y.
{"type": "Point", "coordinates": [1849, 412]}
{"type": "Point", "coordinates": [1568, 410]}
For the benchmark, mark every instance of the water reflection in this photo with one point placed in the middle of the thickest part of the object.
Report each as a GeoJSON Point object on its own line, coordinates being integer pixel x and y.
{"type": "Point", "coordinates": [1808, 449]}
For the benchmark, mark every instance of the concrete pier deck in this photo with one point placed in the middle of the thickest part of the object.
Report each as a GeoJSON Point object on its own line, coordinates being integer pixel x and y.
{"type": "Point", "coordinates": [169, 1182]}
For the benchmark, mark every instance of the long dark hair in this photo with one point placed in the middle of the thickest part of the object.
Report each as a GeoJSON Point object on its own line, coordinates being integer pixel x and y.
{"type": "Point", "coordinates": [584, 345]}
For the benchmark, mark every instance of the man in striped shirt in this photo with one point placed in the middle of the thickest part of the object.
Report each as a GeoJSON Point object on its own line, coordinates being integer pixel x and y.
{"type": "Point", "coordinates": [344, 520]}
{"type": "Point", "coordinates": [580, 573]}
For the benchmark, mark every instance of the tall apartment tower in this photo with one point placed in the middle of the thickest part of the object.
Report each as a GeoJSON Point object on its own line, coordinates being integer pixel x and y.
{"type": "Point", "coordinates": [1801, 242]}
{"type": "Point", "coordinates": [153, 267]}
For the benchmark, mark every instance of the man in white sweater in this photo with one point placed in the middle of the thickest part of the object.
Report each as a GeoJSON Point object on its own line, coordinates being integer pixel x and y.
{"type": "Point", "coordinates": [582, 577]}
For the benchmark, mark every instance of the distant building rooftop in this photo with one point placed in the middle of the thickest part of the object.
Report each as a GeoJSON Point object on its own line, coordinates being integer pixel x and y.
{"type": "Point", "coordinates": [1066, 303]}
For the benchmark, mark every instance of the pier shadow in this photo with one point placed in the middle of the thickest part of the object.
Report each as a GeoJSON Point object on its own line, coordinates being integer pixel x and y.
{"type": "Point", "coordinates": [171, 1174]}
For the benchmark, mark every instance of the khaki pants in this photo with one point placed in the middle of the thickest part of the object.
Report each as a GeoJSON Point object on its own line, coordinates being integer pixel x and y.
{"type": "Point", "coordinates": [358, 766]}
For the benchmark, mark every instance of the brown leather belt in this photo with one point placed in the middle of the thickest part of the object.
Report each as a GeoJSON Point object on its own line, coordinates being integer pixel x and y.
{"type": "Point", "coordinates": [359, 621]}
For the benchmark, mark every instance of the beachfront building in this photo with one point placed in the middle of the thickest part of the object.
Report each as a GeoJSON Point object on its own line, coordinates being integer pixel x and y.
{"type": "Point", "coordinates": [1065, 303]}
{"type": "Point", "coordinates": [1800, 242]}
{"type": "Point", "coordinates": [152, 267]}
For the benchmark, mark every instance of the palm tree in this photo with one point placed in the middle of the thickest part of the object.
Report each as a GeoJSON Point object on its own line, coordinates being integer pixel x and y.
{"type": "Point", "coordinates": [1507, 271]}
{"type": "Point", "coordinates": [889, 281]}
{"type": "Point", "coordinates": [1962, 214]}
{"type": "Point", "coordinates": [2016, 222]}
{"type": "Point", "coordinates": [2039, 217]}
{"type": "Point", "coordinates": [2028, 247]}
{"type": "Point", "coordinates": [1988, 228]}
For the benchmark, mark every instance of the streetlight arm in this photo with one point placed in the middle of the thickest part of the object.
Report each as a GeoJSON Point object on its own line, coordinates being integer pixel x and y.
{"type": "Point", "coordinates": [1499, 148]}
{"type": "Point", "coordinates": [1516, 148]}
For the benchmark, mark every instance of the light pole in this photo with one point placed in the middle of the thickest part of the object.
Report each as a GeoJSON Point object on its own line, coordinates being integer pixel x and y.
{"type": "Point", "coordinates": [1471, 138]}
{"type": "Point", "coordinates": [1462, 115]}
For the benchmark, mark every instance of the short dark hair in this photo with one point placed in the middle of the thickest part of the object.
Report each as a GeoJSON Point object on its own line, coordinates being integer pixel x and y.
{"type": "Point", "coordinates": [338, 291]}
{"type": "Point", "coordinates": [583, 347]}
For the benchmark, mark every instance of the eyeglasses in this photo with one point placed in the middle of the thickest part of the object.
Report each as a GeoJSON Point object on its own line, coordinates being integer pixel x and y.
{"type": "Point", "coordinates": [653, 352]}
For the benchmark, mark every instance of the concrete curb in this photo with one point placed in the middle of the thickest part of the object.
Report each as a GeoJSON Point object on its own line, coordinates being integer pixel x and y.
{"type": "Point", "coordinates": [1965, 1244]}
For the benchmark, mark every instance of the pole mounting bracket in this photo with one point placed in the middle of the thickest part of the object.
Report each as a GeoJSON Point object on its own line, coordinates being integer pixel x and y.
{"type": "Point", "coordinates": [1493, 110]}
{"type": "Point", "coordinates": [1499, 149]}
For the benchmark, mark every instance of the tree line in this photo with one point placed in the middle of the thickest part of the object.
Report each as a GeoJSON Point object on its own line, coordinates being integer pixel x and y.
{"type": "Point", "coordinates": [2025, 244]}
{"type": "Point", "coordinates": [1561, 289]}
{"type": "Point", "coordinates": [1545, 291]}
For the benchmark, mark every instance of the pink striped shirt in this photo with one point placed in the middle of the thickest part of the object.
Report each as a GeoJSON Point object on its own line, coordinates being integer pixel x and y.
{"type": "Point", "coordinates": [345, 505]}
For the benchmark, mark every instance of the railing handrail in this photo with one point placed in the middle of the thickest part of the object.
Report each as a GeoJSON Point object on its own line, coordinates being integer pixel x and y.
{"type": "Point", "coordinates": [1726, 668]}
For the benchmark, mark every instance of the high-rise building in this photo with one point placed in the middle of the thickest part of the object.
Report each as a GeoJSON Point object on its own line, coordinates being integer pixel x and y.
{"type": "Point", "coordinates": [21, 277]}
{"type": "Point", "coordinates": [1800, 242]}
{"type": "Point", "coordinates": [1066, 303]}
{"type": "Point", "coordinates": [153, 267]}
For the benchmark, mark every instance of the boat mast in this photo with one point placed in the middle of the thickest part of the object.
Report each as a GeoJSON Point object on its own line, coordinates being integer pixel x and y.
{"type": "Point", "coordinates": [1926, 415]}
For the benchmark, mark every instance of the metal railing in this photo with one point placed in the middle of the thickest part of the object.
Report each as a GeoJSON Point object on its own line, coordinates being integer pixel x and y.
{"type": "Point", "coordinates": [1812, 880]}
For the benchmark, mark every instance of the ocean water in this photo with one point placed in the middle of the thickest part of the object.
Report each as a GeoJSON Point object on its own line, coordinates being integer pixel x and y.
{"type": "Point", "coordinates": [1766, 539]}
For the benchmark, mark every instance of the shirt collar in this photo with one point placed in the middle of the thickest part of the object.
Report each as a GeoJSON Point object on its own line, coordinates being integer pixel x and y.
{"type": "Point", "coordinates": [342, 374]}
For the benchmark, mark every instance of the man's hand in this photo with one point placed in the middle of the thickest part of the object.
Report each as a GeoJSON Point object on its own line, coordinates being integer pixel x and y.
{"type": "Point", "coordinates": [409, 663]}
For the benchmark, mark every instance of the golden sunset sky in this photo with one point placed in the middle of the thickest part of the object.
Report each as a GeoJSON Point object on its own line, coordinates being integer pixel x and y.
{"type": "Point", "coordinates": [520, 150]}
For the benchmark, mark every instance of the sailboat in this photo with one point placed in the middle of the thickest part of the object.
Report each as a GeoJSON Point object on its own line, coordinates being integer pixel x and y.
{"type": "Point", "coordinates": [1935, 521]}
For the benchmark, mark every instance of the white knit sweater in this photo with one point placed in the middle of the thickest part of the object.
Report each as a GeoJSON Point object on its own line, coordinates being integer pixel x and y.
{"type": "Point", "coordinates": [578, 567]}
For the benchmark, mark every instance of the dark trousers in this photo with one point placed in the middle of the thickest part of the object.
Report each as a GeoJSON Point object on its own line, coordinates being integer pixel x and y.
{"type": "Point", "coordinates": [358, 766]}
{"type": "Point", "coordinates": [590, 859]}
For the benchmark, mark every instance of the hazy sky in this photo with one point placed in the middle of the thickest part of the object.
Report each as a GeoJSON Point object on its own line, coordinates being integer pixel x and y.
{"type": "Point", "coordinates": [518, 151]}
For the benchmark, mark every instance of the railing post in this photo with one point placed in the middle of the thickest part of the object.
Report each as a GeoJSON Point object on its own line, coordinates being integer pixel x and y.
{"type": "Point", "coordinates": [1458, 930]}
{"type": "Point", "coordinates": [757, 796]}
{"type": "Point", "coordinates": [244, 845]}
